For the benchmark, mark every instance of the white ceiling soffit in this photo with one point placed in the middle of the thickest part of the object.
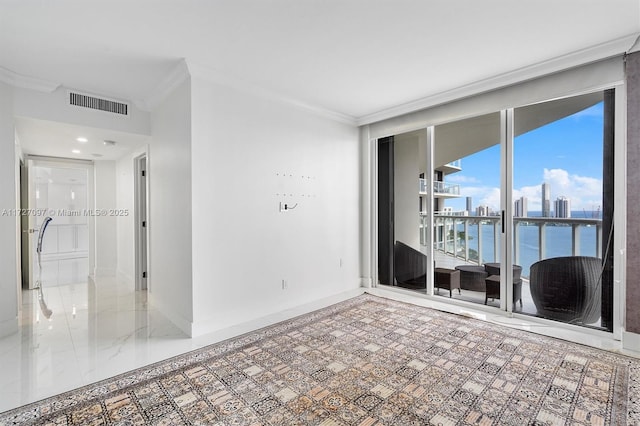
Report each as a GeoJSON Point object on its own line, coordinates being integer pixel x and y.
{"type": "Point", "coordinates": [361, 59]}
{"type": "Point", "coordinates": [54, 139]}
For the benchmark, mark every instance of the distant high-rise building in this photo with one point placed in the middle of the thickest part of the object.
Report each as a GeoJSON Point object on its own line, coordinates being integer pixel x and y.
{"type": "Point", "coordinates": [520, 208]}
{"type": "Point", "coordinates": [562, 207]}
{"type": "Point", "coordinates": [546, 200]}
{"type": "Point", "coordinates": [483, 211]}
{"type": "Point", "coordinates": [469, 204]}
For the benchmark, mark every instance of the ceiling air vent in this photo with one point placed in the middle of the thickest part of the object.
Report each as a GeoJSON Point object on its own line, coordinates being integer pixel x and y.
{"type": "Point", "coordinates": [87, 101]}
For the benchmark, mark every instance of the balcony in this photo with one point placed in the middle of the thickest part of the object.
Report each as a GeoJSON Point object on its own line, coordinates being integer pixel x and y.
{"type": "Point", "coordinates": [476, 239]}
{"type": "Point", "coordinates": [452, 167]}
{"type": "Point", "coordinates": [440, 189]}
{"type": "Point", "coordinates": [473, 240]}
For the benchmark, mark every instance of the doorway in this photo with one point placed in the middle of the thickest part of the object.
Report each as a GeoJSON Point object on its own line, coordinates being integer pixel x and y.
{"type": "Point", "coordinates": [55, 222]}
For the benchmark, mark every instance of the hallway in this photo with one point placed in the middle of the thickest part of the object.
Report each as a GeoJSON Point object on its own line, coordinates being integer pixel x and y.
{"type": "Point", "coordinates": [96, 330]}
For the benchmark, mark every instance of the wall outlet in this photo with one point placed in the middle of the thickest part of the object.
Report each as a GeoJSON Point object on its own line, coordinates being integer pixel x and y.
{"type": "Point", "coordinates": [284, 284]}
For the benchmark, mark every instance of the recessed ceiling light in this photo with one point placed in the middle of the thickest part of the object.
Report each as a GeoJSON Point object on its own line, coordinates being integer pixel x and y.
{"type": "Point", "coordinates": [82, 139]}
{"type": "Point", "coordinates": [75, 151]}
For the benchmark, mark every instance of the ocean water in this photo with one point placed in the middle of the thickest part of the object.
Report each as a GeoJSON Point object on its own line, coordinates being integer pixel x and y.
{"type": "Point", "coordinates": [558, 242]}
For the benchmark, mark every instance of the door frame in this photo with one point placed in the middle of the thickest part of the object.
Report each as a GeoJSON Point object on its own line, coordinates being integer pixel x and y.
{"type": "Point", "coordinates": [507, 137]}
{"type": "Point", "coordinates": [141, 221]}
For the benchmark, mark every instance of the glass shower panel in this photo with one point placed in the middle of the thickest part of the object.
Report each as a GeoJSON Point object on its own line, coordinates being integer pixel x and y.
{"type": "Point", "coordinates": [61, 194]}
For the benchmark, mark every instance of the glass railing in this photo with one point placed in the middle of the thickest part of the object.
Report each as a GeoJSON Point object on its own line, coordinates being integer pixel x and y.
{"type": "Point", "coordinates": [476, 239]}
{"type": "Point", "coordinates": [439, 187]}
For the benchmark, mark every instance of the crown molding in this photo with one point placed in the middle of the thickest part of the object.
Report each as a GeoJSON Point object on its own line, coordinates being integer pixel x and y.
{"type": "Point", "coordinates": [176, 76]}
{"type": "Point", "coordinates": [591, 54]}
{"type": "Point", "coordinates": [635, 47]}
{"type": "Point", "coordinates": [18, 80]}
{"type": "Point", "coordinates": [214, 76]}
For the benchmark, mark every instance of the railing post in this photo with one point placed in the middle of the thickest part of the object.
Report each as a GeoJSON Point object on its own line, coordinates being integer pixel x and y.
{"type": "Point", "coordinates": [599, 240]}
{"type": "Point", "coordinates": [496, 240]}
{"type": "Point", "coordinates": [445, 234]}
{"type": "Point", "coordinates": [516, 242]}
{"type": "Point", "coordinates": [575, 239]}
{"type": "Point", "coordinates": [466, 239]}
{"type": "Point", "coordinates": [542, 241]}
{"type": "Point", "coordinates": [479, 222]}
{"type": "Point", "coordinates": [455, 238]}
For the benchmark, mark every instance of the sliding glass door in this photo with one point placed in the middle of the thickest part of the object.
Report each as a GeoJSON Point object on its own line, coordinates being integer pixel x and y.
{"type": "Point", "coordinates": [563, 205]}
{"type": "Point", "coordinates": [439, 208]}
{"type": "Point", "coordinates": [511, 209]}
{"type": "Point", "coordinates": [467, 209]}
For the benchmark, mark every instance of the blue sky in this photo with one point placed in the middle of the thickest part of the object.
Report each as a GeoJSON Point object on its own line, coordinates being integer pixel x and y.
{"type": "Point", "coordinates": [567, 154]}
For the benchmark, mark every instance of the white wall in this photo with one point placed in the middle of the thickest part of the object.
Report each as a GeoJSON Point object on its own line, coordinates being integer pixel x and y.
{"type": "Point", "coordinates": [246, 153]}
{"type": "Point", "coordinates": [169, 174]}
{"type": "Point", "coordinates": [8, 223]}
{"type": "Point", "coordinates": [406, 197]}
{"type": "Point", "coordinates": [106, 226]}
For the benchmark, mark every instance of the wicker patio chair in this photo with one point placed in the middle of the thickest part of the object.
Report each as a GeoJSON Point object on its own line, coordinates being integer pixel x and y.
{"type": "Point", "coordinates": [410, 266]}
{"type": "Point", "coordinates": [567, 288]}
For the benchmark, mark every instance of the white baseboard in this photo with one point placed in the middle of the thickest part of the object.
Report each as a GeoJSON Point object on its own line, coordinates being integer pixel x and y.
{"type": "Point", "coordinates": [104, 272]}
{"type": "Point", "coordinates": [631, 341]}
{"type": "Point", "coordinates": [123, 276]}
{"type": "Point", "coordinates": [366, 282]}
{"type": "Point", "coordinates": [183, 324]}
{"type": "Point", "coordinates": [215, 333]}
{"type": "Point", "coordinates": [8, 327]}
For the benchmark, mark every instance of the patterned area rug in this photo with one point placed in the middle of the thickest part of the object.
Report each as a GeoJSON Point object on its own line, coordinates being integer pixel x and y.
{"type": "Point", "coordinates": [367, 361]}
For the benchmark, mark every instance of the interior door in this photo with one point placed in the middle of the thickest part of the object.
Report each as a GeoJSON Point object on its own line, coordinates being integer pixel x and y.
{"type": "Point", "coordinates": [55, 222]}
{"type": "Point", "coordinates": [35, 220]}
{"type": "Point", "coordinates": [29, 225]}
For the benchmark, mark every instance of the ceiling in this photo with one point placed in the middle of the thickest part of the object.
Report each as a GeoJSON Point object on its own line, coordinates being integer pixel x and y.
{"type": "Point", "coordinates": [52, 139]}
{"type": "Point", "coordinates": [351, 57]}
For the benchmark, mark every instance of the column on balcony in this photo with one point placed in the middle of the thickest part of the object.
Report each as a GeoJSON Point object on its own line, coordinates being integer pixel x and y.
{"type": "Point", "coordinates": [575, 239]}
{"type": "Point", "coordinates": [542, 240]}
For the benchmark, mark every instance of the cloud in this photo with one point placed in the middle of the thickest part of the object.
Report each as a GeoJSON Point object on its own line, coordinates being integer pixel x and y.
{"type": "Point", "coordinates": [482, 196]}
{"type": "Point", "coordinates": [583, 191]}
{"type": "Point", "coordinates": [533, 195]}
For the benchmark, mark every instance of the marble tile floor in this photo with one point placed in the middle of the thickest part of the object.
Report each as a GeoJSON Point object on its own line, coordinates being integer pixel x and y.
{"type": "Point", "coordinates": [63, 271]}
{"type": "Point", "coordinates": [96, 330]}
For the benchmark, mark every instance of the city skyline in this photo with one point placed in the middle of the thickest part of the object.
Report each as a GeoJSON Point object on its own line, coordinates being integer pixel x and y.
{"type": "Point", "coordinates": [565, 154]}
{"type": "Point", "coordinates": [562, 208]}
